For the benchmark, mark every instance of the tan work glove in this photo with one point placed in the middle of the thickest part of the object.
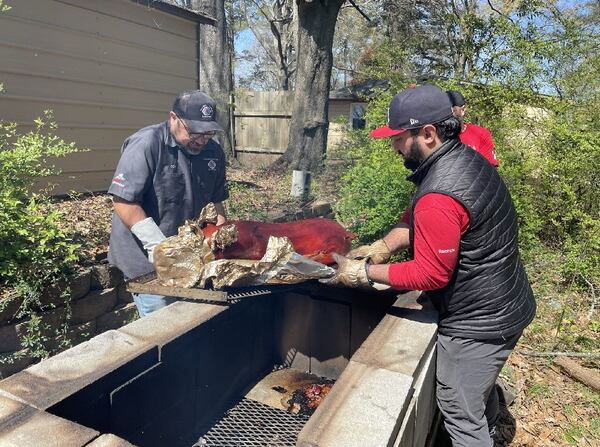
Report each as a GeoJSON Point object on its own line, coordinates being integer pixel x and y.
{"type": "Point", "coordinates": [376, 253]}
{"type": "Point", "coordinates": [350, 273]}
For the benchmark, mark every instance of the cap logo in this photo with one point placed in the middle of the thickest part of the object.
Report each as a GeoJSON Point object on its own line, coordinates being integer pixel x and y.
{"type": "Point", "coordinates": [413, 121]}
{"type": "Point", "coordinates": [207, 112]}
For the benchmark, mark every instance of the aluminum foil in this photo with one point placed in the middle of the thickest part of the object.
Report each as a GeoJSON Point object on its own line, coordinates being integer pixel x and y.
{"type": "Point", "coordinates": [179, 260]}
{"type": "Point", "coordinates": [187, 260]}
{"type": "Point", "coordinates": [223, 237]}
{"type": "Point", "coordinates": [207, 215]}
{"type": "Point", "coordinates": [280, 265]}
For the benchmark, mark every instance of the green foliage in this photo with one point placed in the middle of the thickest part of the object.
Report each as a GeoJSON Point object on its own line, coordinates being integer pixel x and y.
{"type": "Point", "coordinates": [35, 252]}
{"type": "Point", "coordinates": [374, 191]}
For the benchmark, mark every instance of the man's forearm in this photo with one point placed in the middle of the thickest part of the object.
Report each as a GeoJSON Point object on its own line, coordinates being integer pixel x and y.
{"type": "Point", "coordinates": [130, 213]}
{"type": "Point", "coordinates": [221, 218]}
{"type": "Point", "coordinates": [378, 273]}
{"type": "Point", "coordinates": [398, 238]}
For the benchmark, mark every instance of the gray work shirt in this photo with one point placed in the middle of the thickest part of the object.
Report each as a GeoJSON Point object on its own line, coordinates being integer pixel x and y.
{"type": "Point", "coordinates": [169, 184]}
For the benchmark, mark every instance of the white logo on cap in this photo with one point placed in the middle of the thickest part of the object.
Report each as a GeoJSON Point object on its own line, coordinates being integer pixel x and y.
{"type": "Point", "coordinates": [206, 111]}
{"type": "Point", "coordinates": [413, 121]}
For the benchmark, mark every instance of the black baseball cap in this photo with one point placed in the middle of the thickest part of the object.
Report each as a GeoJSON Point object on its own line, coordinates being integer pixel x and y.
{"type": "Point", "coordinates": [413, 108]}
{"type": "Point", "coordinates": [456, 98]}
{"type": "Point", "coordinates": [198, 110]}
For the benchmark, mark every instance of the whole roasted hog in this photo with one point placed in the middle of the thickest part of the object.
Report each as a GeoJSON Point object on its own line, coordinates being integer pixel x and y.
{"type": "Point", "coordinates": [316, 239]}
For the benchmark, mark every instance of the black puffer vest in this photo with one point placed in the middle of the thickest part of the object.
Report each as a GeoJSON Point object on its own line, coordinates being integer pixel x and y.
{"type": "Point", "coordinates": [488, 296]}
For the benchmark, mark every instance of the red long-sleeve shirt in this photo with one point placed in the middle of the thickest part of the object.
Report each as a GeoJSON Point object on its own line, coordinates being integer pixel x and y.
{"type": "Point", "coordinates": [439, 221]}
{"type": "Point", "coordinates": [480, 139]}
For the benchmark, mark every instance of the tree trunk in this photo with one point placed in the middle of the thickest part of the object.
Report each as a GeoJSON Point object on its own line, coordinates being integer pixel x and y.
{"type": "Point", "coordinates": [214, 66]}
{"type": "Point", "coordinates": [310, 120]}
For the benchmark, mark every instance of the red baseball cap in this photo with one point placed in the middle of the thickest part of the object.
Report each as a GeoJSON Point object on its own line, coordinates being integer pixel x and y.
{"type": "Point", "coordinates": [413, 108]}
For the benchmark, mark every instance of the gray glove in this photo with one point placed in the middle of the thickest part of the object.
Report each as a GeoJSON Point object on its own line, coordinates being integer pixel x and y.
{"type": "Point", "coordinates": [149, 235]}
{"type": "Point", "coordinates": [376, 253]}
{"type": "Point", "coordinates": [350, 273]}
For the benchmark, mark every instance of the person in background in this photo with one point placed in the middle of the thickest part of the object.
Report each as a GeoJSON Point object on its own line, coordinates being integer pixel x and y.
{"type": "Point", "coordinates": [166, 174]}
{"type": "Point", "coordinates": [478, 137]}
{"type": "Point", "coordinates": [461, 228]}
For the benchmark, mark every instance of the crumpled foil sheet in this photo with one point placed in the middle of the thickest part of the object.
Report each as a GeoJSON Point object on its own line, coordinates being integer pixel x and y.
{"type": "Point", "coordinates": [223, 237]}
{"type": "Point", "coordinates": [208, 214]}
{"type": "Point", "coordinates": [280, 265]}
{"type": "Point", "coordinates": [187, 260]}
{"type": "Point", "coordinates": [179, 260]}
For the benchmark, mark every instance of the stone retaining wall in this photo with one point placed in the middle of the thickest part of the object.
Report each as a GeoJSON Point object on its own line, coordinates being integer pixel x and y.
{"type": "Point", "coordinates": [98, 302]}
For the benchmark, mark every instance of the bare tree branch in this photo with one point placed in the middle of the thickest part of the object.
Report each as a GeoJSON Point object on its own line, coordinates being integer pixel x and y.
{"type": "Point", "coordinates": [359, 10]}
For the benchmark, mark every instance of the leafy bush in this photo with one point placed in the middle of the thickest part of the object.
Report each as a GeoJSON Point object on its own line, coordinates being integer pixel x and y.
{"type": "Point", "coordinates": [35, 252]}
{"type": "Point", "coordinates": [373, 191]}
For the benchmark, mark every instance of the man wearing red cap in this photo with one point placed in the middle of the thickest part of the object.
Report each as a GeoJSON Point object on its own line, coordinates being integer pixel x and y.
{"type": "Point", "coordinates": [461, 227]}
{"type": "Point", "coordinates": [478, 137]}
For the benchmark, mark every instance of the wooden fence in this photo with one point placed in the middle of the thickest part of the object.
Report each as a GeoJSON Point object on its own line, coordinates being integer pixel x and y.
{"type": "Point", "coordinates": [262, 124]}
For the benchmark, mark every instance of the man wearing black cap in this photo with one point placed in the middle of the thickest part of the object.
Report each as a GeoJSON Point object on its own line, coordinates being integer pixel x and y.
{"type": "Point", "coordinates": [167, 173]}
{"type": "Point", "coordinates": [461, 227]}
{"type": "Point", "coordinates": [478, 137]}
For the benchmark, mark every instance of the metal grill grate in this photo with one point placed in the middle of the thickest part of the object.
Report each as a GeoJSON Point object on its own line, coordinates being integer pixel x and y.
{"type": "Point", "coordinates": [251, 424]}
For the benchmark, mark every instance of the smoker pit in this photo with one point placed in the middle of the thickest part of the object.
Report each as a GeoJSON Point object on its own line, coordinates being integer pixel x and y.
{"type": "Point", "coordinates": [223, 375]}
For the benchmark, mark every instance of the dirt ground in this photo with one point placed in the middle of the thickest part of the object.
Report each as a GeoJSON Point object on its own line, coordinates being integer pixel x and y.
{"type": "Point", "coordinates": [550, 409]}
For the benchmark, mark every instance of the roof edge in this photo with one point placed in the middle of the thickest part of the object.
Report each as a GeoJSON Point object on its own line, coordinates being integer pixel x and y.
{"type": "Point", "coordinates": [177, 11]}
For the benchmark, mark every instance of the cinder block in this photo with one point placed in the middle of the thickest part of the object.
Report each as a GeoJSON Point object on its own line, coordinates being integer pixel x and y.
{"type": "Point", "coordinates": [116, 318]}
{"type": "Point", "coordinates": [79, 284]}
{"type": "Point", "coordinates": [425, 403]}
{"type": "Point", "coordinates": [105, 276]}
{"type": "Point", "coordinates": [10, 336]}
{"type": "Point", "coordinates": [110, 440]}
{"type": "Point", "coordinates": [168, 323]}
{"type": "Point", "coordinates": [401, 339]}
{"type": "Point", "coordinates": [75, 334]}
{"type": "Point", "coordinates": [9, 306]}
{"type": "Point", "coordinates": [94, 304]}
{"type": "Point", "coordinates": [13, 362]}
{"type": "Point", "coordinates": [406, 434]}
{"type": "Point", "coordinates": [139, 405]}
{"type": "Point", "coordinates": [24, 426]}
{"type": "Point", "coordinates": [56, 378]}
{"type": "Point", "coordinates": [365, 408]}
{"type": "Point", "coordinates": [123, 296]}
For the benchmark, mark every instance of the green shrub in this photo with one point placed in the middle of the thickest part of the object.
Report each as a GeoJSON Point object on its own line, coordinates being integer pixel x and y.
{"type": "Point", "coordinates": [35, 252]}
{"type": "Point", "coordinates": [374, 191]}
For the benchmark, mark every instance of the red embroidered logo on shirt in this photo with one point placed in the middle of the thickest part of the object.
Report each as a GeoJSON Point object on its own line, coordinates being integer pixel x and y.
{"type": "Point", "coordinates": [119, 180]}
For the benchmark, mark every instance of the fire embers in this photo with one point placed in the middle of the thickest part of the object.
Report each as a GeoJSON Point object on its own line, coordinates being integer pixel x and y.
{"type": "Point", "coordinates": [307, 399]}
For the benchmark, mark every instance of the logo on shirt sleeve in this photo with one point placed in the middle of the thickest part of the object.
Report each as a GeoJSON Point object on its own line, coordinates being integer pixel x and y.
{"type": "Point", "coordinates": [119, 180]}
{"type": "Point", "coordinates": [212, 165]}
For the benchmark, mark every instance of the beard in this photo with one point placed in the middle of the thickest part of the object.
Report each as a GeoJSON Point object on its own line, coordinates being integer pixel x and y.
{"type": "Point", "coordinates": [414, 157]}
{"type": "Point", "coordinates": [192, 148]}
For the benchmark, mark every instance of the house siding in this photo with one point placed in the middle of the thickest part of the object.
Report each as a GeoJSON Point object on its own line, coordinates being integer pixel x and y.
{"type": "Point", "coordinates": [106, 68]}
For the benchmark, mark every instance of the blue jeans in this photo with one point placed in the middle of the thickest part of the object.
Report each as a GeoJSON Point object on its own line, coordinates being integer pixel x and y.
{"type": "Point", "coordinates": [147, 303]}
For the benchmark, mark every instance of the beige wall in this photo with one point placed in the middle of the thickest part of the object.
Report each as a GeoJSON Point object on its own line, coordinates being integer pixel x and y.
{"type": "Point", "coordinates": [105, 67]}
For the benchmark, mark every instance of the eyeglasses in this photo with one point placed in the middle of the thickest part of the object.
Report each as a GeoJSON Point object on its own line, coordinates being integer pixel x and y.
{"type": "Point", "coordinates": [196, 135]}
